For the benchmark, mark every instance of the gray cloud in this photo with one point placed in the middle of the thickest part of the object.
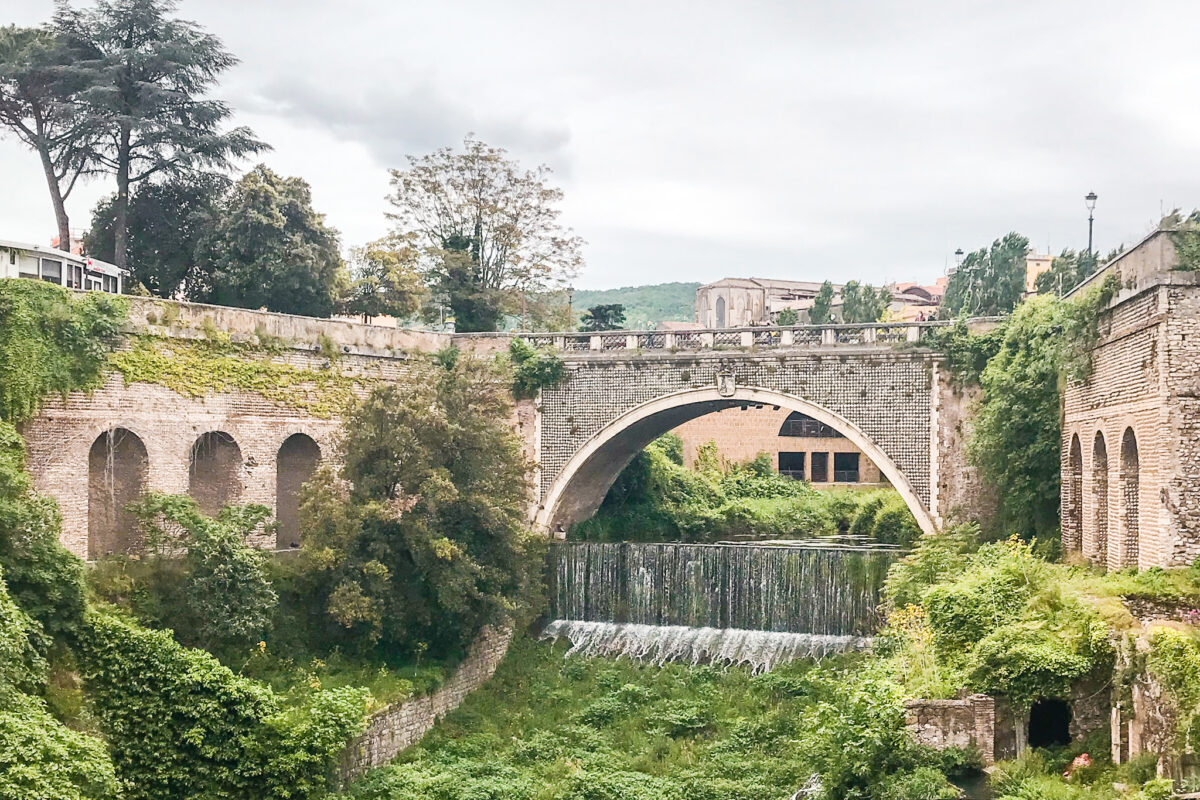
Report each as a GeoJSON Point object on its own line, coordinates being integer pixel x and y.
{"type": "Point", "coordinates": [864, 138]}
{"type": "Point", "coordinates": [394, 121]}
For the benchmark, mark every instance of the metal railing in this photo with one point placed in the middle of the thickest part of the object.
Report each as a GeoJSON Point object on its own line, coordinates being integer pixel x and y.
{"type": "Point", "coordinates": [872, 334]}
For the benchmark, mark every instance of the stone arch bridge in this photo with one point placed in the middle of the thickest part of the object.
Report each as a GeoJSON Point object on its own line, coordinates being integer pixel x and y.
{"type": "Point", "coordinates": [878, 385]}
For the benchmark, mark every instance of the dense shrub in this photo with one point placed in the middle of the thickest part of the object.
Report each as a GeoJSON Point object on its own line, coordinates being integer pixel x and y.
{"type": "Point", "coordinates": [423, 538]}
{"type": "Point", "coordinates": [181, 725]}
{"type": "Point", "coordinates": [209, 585]}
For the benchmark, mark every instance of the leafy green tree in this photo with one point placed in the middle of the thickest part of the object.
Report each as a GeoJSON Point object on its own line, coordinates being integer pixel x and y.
{"type": "Point", "coordinates": [490, 228]}
{"type": "Point", "coordinates": [385, 280]}
{"type": "Point", "coordinates": [426, 539]}
{"type": "Point", "coordinates": [862, 303]}
{"type": "Point", "coordinates": [609, 317]}
{"type": "Point", "coordinates": [168, 222]}
{"type": "Point", "coordinates": [145, 80]}
{"type": "Point", "coordinates": [789, 316]}
{"type": "Point", "coordinates": [38, 105]}
{"type": "Point", "coordinates": [821, 312]}
{"type": "Point", "coordinates": [226, 594]}
{"type": "Point", "coordinates": [990, 281]}
{"type": "Point", "coordinates": [270, 249]}
{"type": "Point", "coordinates": [533, 369]}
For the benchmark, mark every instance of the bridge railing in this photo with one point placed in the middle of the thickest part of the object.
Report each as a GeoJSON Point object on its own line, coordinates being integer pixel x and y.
{"type": "Point", "coordinates": [752, 338]}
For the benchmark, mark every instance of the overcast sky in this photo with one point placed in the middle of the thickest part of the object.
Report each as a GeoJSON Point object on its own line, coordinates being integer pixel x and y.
{"type": "Point", "coordinates": [696, 140]}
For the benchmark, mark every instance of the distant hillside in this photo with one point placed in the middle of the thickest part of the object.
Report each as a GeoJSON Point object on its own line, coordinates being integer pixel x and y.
{"type": "Point", "coordinates": [645, 306]}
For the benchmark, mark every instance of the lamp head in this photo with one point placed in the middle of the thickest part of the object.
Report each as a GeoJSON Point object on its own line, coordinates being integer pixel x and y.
{"type": "Point", "coordinates": [1090, 199]}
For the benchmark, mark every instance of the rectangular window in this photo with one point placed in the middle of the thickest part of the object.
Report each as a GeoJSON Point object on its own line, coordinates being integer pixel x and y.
{"type": "Point", "coordinates": [28, 267]}
{"type": "Point", "coordinates": [12, 256]}
{"type": "Point", "coordinates": [820, 468]}
{"type": "Point", "coordinates": [52, 270]}
{"type": "Point", "coordinates": [792, 465]}
{"type": "Point", "coordinates": [74, 276]}
{"type": "Point", "coordinates": [110, 284]}
{"type": "Point", "coordinates": [845, 467]}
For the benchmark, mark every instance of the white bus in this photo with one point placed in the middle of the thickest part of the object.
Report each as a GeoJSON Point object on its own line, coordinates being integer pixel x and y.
{"type": "Point", "coordinates": [20, 260]}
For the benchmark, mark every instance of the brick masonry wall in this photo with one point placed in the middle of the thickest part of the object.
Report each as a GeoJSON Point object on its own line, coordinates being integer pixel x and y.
{"type": "Point", "coordinates": [392, 729]}
{"type": "Point", "coordinates": [887, 394]}
{"type": "Point", "coordinates": [741, 434]}
{"type": "Point", "coordinates": [1144, 379]}
{"type": "Point", "coordinates": [59, 438]}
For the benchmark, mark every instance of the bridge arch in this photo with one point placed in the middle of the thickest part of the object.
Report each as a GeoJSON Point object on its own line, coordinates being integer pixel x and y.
{"type": "Point", "coordinates": [587, 476]}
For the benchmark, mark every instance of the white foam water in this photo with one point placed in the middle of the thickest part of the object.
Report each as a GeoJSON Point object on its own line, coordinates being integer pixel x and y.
{"type": "Point", "coordinates": [762, 651]}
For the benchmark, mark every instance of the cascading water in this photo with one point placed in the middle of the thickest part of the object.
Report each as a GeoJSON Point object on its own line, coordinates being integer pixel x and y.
{"type": "Point", "coordinates": [753, 604]}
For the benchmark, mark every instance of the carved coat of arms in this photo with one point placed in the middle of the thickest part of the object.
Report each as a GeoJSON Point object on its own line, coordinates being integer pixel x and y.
{"type": "Point", "coordinates": [726, 385]}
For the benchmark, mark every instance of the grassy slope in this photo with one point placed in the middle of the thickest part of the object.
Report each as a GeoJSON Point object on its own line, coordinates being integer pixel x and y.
{"type": "Point", "coordinates": [549, 727]}
{"type": "Point", "coordinates": [645, 306]}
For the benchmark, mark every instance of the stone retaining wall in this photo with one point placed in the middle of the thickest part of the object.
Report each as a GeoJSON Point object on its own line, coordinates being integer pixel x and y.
{"type": "Point", "coordinates": [397, 727]}
{"type": "Point", "coordinates": [969, 722]}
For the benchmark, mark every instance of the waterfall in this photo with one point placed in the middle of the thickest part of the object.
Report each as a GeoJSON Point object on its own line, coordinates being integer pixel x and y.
{"type": "Point", "coordinates": [755, 604]}
{"type": "Point", "coordinates": [658, 644]}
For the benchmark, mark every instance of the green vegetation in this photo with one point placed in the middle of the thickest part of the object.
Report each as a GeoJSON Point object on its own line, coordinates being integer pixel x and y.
{"type": "Point", "coordinates": [533, 369]}
{"type": "Point", "coordinates": [573, 729]}
{"type": "Point", "coordinates": [645, 306]}
{"type": "Point", "coordinates": [422, 538]}
{"type": "Point", "coordinates": [1021, 367]}
{"type": "Point", "coordinates": [990, 281]}
{"type": "Point", "coordinates": [198, 367]}
{"type": "Point", "coordinates": [658, 499]}
{"type": "Point", "coordinates": [603, 317]}
{"type": "Point", "coordinates": [181, 725]}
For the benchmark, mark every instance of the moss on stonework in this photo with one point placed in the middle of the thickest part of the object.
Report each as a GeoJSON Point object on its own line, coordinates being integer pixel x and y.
{"type": "Point", "coordinates": [196, 368]}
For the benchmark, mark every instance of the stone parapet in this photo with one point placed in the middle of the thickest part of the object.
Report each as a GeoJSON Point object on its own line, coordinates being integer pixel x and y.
{"type": "Point", "coordinates": [394, 728]}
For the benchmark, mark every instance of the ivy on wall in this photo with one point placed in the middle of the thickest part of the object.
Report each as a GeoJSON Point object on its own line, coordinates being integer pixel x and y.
{"type": "Point", "coordinates": [52, 342]}
{"type": "Point", "coordinates": [199, 367]}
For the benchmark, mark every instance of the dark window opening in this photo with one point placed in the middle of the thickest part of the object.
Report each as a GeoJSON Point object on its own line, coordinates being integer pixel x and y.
{"type": "Point", "coordinates": [845, 467]}
{"type": "Point", "coordinates": [1050, 723]}
{"type": "Point", "coordinates": [820, 467]}
{"type": "Point", "coordinates": [802, 425]}
{"type": "Point", "coordinates": [51, 271]}
{"type": "Point", "coordinates": [792, 465]}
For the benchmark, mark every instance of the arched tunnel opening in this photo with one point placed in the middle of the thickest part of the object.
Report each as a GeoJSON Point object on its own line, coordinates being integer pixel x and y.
{"type": "Point", "coordinates": [1050, 723]}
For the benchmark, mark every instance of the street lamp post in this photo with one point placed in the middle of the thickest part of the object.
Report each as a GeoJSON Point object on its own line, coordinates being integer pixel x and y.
{"type": "Point", "coordinates": [1090, 199]}
{"type": "Point", "coordinates": [571, 306]}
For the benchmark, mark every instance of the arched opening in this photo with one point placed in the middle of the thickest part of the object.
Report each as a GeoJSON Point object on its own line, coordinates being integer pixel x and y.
{"type": "Point", "coordinates": [297, 460]}
{"type": "Point", "coordinates": [117, 470]}
{"type": "Point", "coordinates": [585, 479]}
{"type": "Point", "coordinates": [1050, 723]}
{"type": "Point", "coordinates": [213, 472]}
{"type": "Point", "coordinates": [720, 312]}
{"type": "Point", "coordinates": [1073, 499]}
{"type": "Point", "coordinates": [1130, 485]}
{"type": "Point", "coordinates": [1100, 499]}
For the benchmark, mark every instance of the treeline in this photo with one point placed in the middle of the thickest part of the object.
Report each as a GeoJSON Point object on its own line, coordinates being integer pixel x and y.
{"type": "Point", "coordinates": [126, 90]}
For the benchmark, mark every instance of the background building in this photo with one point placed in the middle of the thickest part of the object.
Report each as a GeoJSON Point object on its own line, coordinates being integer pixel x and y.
{"type": "Point", "coordinates": [798, 445]}
{"type": "Point", "coordinates": [742, 302]}
{"type": "Point", "coordinates": [20, 260]}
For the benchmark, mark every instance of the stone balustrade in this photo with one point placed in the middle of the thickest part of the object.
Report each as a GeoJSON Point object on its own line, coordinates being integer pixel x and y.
{"type": "Point", "coordinates": [756, 338]}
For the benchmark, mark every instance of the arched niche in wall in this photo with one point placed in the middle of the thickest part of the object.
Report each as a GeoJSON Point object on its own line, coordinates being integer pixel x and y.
{"type": "Point", "coordinates": [294, 466]}
{"type": "Point", "coordinates": [118, 467]}
{"type": "Point", "coordinates": [1130, 487]}
{"type": "Point", "coordinates": [213, 471]}
{"type": "Point", "coordinates": [1100, 499]}
{"type": "Point", "coordinates": [1073, 498]}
